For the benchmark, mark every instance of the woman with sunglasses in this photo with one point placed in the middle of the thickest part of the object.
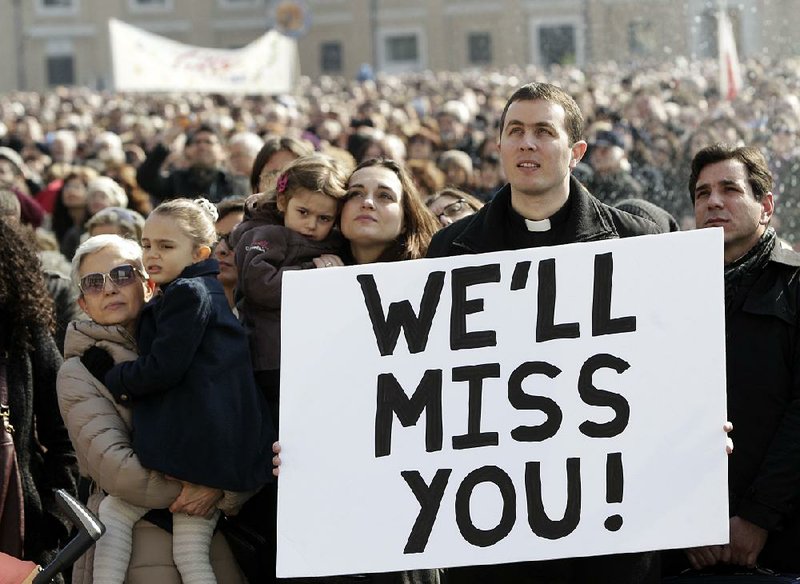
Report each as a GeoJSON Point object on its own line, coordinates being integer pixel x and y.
{"type": "Point", "coordinates": [449, 205]}
{"type": "Point", "coordinates": [109, 273]}
{"type": "Point", "coordinates": [230, 212]}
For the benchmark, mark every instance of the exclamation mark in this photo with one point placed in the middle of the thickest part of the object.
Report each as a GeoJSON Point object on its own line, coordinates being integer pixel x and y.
{"type": "Point", "coordinates": [615, 480]}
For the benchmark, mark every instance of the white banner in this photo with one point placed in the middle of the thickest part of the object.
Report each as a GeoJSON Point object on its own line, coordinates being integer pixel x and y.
{"type": "Point", "coordinates": [524, 405]}
{"type": "Point", "coordinates": [143, 61]}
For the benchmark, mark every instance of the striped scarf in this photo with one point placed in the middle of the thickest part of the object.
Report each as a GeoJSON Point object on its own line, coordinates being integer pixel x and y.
{"type": "Point", "coordinates": [742, 271]}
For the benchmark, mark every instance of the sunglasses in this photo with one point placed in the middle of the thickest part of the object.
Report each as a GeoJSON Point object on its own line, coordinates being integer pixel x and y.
{"type": "Point", "coordinates": [121, 276]}
{"type": "Point", "coordinates": [226, 238]}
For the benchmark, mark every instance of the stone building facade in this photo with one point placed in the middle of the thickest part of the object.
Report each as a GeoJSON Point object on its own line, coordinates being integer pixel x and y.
{"type": "Point", "coordinates": [53, 42]}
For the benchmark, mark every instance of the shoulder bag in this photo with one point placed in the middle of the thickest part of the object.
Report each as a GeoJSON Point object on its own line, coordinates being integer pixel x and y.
{"type": "Point", "coordinates": [12, 512]}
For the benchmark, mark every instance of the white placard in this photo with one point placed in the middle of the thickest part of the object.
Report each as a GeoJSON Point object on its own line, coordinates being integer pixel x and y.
{"type": "Point", "coordinates": [582, 393]}
{"type": "Point", "coordinates": [143, 61]}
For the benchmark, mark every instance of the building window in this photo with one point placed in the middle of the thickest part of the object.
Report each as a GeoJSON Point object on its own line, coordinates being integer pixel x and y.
{"type": "Point", "coordinates": [557, 45]}
{"type": "Point", "coordinates": [708, 25]}
{"type": "Point", "coordinates": [402, 48]}
{"type": "Point", "coordinates": [240, 3]}
{"type": "Point", "coordinates": [150, 5]}
{"type": "Point", "coordinates": [479, 45]}
{"type": "Point", "coordinates": [60, 70]}
{"type": "Point", "coordinates": [331, 57]}
{"type": "Point", "coordinates": [57, 7]}
{"type": "Point", "coordinates": [641, 38]}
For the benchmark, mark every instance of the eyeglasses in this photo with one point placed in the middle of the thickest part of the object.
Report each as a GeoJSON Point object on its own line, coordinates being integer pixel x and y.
{"type": "Point", "coordinates": [224, 237]}
{"type": "Point", "coordinates": [452, 209]}
{"type": "Point", "coordinates": [266, 177]}
{"type": "Point", "coordinates": [121, 276]}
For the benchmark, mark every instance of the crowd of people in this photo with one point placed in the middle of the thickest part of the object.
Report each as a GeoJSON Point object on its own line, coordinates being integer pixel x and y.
{"type": "Point", "coordinates": [643, 127]}
{"type": "Point", "coordinates": [163, 225]}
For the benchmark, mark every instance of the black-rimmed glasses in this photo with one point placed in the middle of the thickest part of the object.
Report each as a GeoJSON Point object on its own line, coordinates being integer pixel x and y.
{"type": "Point", "coordinates": [226, 238]}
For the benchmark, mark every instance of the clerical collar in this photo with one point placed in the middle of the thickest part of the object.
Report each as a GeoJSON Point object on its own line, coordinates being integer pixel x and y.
{"type": "Point", "coordinates": [555, 221]}
{"type": "Point", "coordinates": [538, 226]}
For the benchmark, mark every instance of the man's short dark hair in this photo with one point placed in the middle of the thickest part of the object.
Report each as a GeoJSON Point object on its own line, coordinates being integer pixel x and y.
{"type": "Point", "coordinates": [758, 173]}
{"type": "Point", "coordinates": [202, 129]}
{"type": "Point", "coordinates": [230, 205]}
{"type": "Point", "coordinates": [573, 118]}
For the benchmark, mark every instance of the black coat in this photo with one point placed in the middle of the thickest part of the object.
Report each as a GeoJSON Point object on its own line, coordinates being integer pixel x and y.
{"type": "Point", "coordinates": [489, 230]}
{"type": "Point", "coordinates": [65, 301]}
{"type": "Point", "coordinates": [44, 452]}
{"type": "Point", "coordinates": [763, 369]}
{"type": "Point", "coordinates": [197, 412]}
{"type": "Point", "coordinates": [184, 182]}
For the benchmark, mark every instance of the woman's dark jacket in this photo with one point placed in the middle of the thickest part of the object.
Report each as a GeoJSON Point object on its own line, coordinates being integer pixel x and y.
{"type": "Point", "coordinates": [197, 413]}
{"type": "Point", "coordinates": [44, 452]}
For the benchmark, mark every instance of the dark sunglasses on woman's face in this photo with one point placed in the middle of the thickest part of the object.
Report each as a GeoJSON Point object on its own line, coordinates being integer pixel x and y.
{"type": "Point", "coordinates": [121, 276]}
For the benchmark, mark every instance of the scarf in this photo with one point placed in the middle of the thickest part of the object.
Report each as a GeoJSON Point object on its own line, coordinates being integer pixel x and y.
{"type": "Point", "coordinates": [742, 271]}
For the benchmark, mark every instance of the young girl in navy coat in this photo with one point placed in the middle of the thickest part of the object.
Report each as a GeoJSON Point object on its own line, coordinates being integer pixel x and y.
{"type": "Point", "coordinates": [198, 415]}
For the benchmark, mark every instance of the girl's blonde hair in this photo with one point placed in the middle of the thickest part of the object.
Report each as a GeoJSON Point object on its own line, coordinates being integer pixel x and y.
{"type": "Point", "coordinates": [195, 216]}
{"type": "Point", "coordinates": [318, 173]}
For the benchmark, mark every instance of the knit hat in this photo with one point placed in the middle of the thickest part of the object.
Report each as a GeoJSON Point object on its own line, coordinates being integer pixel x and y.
{"type": "Point", "coordinates": [651, 212]}
{"type": "Point", "coordinates": [13, 157]}
{"type": "Point", "coordinates": [110, 187]}
{"type": "Point", "coordinates": [608, 138]}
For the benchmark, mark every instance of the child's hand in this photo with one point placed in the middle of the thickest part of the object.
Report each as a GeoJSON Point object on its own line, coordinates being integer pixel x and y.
{"type": "Point", "coordinates": [328, 260]}
{"type": "Point", "coordinates": [253, 202]}
{"type": "Point", "coordinates": [196, 500]}
{"type": "Point", "coordinates": [276, 460]}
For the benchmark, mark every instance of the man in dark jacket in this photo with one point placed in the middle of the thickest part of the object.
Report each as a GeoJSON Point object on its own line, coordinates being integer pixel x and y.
{"type": "Point", "coordinates": [611, 181]}
{"type": "Point", "coordinates": [204, 176]}
{"type": "Point", "coordinates": [731, 188]}
{"type": "Point", "coordinates": [540, 144]}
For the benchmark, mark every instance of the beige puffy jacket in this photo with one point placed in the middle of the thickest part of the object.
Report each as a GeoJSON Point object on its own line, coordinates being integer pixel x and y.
{"type": "Point", "coordinates": [100, 432]}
